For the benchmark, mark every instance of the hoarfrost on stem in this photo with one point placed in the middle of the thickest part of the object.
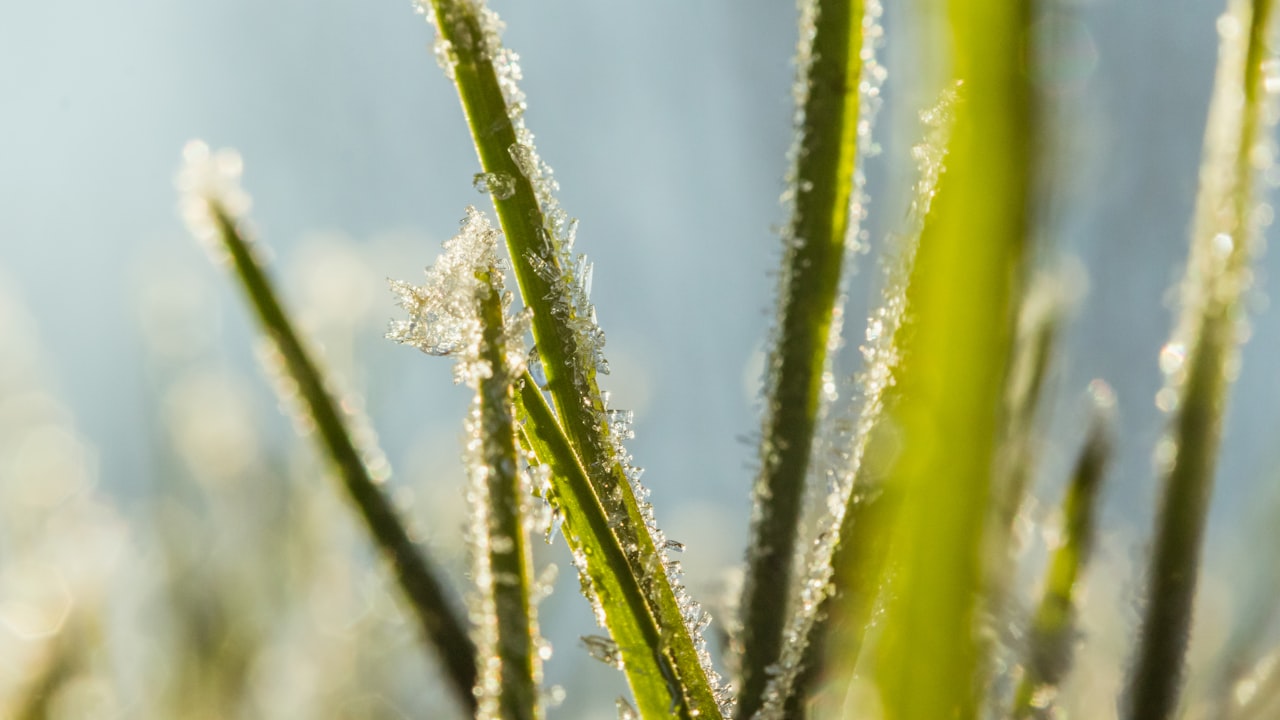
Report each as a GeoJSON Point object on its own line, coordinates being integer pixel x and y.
{"type": "Point", "coordinates": [443, 316]}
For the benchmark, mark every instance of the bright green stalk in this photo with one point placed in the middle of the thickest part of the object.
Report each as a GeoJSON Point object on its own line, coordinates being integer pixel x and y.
{"type": "Point", "coordinates": [618, 599]}
{"type": "Point", "coordinates": [814, 245]}
{"type": "Point", "coordinates": [426, 595]}
{"type": "Point", "coordinates": [1200, 358]}
{"type": "Point", "coordinates": [961, 296]}
{"type": "Point", "coordinates": [1050, 648]}
{"type": "Point", "coordinates": [507, 569]}
{"type": "Point", "coordinates": [568, 344]}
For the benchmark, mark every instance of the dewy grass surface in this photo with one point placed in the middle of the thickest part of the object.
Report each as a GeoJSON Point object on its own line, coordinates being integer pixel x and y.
{"type": "Point", "coordinates": [932, 463]}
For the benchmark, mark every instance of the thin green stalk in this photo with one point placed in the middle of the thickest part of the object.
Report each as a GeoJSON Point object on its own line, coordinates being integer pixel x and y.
{"type": "Point", "coordinates": [930, 660]}
{"type": "Point", "coordinates": [512, 686]}
{"type": "Point", "coordinates": [846, 564]}
{"type": "Point", "coordinates": [1051, 645]}
{"type": "Point", "coordinates": [1199, 359]}
{"type": "Point", "coordinates": [569, 344]}
{"type": "Point", "coordinates": [613, 590]}
{"type": "Point", "coordinates": [814, 245]}
{"type": "Point", "coordinates": [418, 579]}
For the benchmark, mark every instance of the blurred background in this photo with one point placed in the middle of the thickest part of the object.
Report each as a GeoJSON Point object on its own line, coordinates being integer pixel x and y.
{"type": "Point", "coordinates": [168, 544]}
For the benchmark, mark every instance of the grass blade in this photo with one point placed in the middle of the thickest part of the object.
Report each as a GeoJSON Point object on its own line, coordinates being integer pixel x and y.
{"type": "Point", "coordinates": [213, 210]}
{"type": "Point", "coordinates": [825, 632]}
{"type": "Point", "coordinates": [966, 276]}
{"type": "Point", "coordinates": [1052, 638]}
{"type": "Point", "coordinates": [508, 625]}
{"type": "Point", "coordinates": [601, 561]}
{"type": "Point", "coordinates": [822, 186]}
{"type": "Point", "coordinates": [1199, 361]}
{"type": "Point", "coordinates": [555, 285]}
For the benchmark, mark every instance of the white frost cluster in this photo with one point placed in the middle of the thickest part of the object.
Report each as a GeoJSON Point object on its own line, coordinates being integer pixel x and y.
{"type": "Point", "coordinates": [209, 179]}
{"type": "Point", "coordinates": [444, 316]}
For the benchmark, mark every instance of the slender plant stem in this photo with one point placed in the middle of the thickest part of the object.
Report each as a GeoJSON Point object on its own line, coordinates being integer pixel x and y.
{"type": "Point", "coordinates": [418, 579]}
{"type": "Point", "coordinates": [1050, 648]}
{"type": "Point", "coordinates": [536, 255]}
{"type": "Point", "coordinates": [966, 276]}
{"type": "Point", "coordinates": [813, 257]}
{"type": "Point", "coordinates": [1207, 335]}
{"type": "Point", "coordinates": [603, 562]}
{"type": "Point", "coordinates": [509, 559]}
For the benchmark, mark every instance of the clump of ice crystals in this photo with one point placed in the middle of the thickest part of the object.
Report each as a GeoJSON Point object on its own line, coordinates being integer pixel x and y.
{"type": "Point", "coordinates": [444, 313]}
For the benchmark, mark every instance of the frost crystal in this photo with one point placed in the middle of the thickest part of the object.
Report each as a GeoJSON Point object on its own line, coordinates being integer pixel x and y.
{"type": "Point", "coordinates": [443, 315]}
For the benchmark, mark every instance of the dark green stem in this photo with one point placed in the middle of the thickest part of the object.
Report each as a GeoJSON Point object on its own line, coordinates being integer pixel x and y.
{"type": "Point", "coordinates": [509, 558]}
{"type": "Point", "coordinates": [813, 258]}
{"type": "Point", "coordinates": [426, 595]}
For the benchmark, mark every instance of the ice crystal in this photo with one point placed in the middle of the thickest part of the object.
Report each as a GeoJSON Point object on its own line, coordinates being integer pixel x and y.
{"type": "Point", "coordinates": [500, 185]}
{"type": "Point", "coordinates": [626, 711]}
{"type": "Point", "coordinates": [603, 649]}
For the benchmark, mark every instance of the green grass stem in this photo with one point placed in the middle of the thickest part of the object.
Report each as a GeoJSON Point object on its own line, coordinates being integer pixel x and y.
{"type": "Point", "coordinates": [1052, 639]}
{"type": "Point", "coordinates": [618, 598]}
{"type": "Point", "coordinates": [1200, 357]}
{"type": "Point", "coordinates": [537, 240]}
{"type": "Point", "coordinates": [515, 684]}
{"type": "Point", "coordinates": [814, 246]}
{"type": "Point", "coordinates": [440, 623]}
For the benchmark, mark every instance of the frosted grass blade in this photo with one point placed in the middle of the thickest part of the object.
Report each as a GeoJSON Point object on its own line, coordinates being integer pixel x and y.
{"type": "Point", "coordinates": [967, 273]}
{"type": "Point", "coordinates": [614, 592]}
{"type": "Point", "coordinates": [842, 580]}
{"type": "Point", "coordinates": [444, 630]}
{"type": "Point", "coordinates": [1202, 358]}
{"type": "Point", "coordinates": [829, 64]}
{"type": "Point", "coordinates": [555, 285]}
{"type": "Point", "coordinates": [1050, 646]}
{"type": "Point", "coordinates": [510, 671]}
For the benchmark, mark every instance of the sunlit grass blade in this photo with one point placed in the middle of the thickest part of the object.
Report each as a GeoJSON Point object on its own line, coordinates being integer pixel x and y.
{"type": "Point", "coordinates": [1202, 358]}
{"type": "Point", "coordinates": [215, 221]}
{"type": "Point", "coordinates": [1051, 643]}
{"type": "Point", "coordinates": [821, 188]}
{"type": "Point", "coordinates": [967, 272]}
{"type": "Point", "coordinates": [555, 285]}
{"type": "Point", "coordinates": [510, 670]}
